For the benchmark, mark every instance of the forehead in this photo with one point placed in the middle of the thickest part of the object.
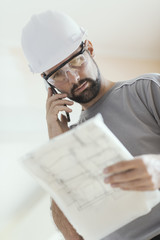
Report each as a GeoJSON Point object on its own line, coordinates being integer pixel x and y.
{"type": "Point", "coordinates": [51, 69]}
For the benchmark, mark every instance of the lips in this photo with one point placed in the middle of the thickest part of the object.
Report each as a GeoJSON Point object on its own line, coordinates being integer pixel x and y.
{"type": "Point", "coordinates": [81, 87]}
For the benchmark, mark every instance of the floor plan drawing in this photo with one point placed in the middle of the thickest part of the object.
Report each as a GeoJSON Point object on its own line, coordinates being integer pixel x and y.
{"type": "Point", "coordinates": [70, 167]}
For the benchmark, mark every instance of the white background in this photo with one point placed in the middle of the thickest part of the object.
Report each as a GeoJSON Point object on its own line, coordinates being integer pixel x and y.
{"type": "Point", "coordinates": [127, 30]}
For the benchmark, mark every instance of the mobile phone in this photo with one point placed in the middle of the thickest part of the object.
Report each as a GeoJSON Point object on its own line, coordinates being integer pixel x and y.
{"type": "Point", "coordinates": [55, 92]}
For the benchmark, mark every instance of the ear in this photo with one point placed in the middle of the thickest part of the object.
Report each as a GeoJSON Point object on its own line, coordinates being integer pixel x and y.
{"type": "Point", "coordinates": [42, 75]}
{"type": "Point", "coordinates": [90, 47]}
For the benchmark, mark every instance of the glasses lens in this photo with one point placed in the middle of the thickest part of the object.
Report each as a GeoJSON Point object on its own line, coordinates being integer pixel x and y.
{"type": "Point", "coordinates": [77, 61]}
{"type": "Point", "coordinates": [59, 75]}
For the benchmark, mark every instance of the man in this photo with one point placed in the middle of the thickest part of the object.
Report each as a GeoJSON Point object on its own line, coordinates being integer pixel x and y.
{"type": "Point", "coordinates": [53, 44]}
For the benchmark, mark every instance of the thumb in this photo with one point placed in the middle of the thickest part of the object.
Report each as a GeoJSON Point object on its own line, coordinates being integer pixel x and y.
{"type": "Point", "coordinates": [64, 119]}
{"type": "Point", "coordinates": [64, 122]}
{"type": "Point", "coordinates": [49, 93]}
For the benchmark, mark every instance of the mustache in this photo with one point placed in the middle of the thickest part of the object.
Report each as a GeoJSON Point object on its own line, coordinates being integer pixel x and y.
{"type": "Point", "coordinates": [80, 83]}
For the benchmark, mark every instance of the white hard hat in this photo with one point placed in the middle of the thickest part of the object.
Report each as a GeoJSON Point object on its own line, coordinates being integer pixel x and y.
{"type": "Point", "coordinates": [49, 38]}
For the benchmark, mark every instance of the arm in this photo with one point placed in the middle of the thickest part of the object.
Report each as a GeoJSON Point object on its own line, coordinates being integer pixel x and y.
{"type": "Point", "coordinates": [63, 224]}
{"type": "Point", "coordinates": [55, 104]}
{"type": "Point", "coordinates": [140, 174]}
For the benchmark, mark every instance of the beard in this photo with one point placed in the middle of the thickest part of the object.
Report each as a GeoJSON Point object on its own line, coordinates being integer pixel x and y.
{"type": "Point", "coordinates": [89, 93]}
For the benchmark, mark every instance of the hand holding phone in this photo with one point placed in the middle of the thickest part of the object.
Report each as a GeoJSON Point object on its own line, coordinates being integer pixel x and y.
{"type": "Point", "coordinates": [54, 105]}
{"type": "Point", "coordinates": [55, 92]}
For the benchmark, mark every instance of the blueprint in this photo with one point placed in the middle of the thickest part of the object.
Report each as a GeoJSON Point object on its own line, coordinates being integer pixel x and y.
{"type": "Point", "coordinates": [70, 167]}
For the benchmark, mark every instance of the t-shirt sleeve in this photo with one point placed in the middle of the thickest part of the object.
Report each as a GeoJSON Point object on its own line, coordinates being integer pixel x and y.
{"type": "Point", "coordinates": [153, 98]}
{"type": "Point", "coordinates": [155, 103]}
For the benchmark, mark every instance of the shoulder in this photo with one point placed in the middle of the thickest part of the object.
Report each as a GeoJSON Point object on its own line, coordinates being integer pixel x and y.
{"type": "Point", "coordinates": [145, 88]}
{"type": "Point", "coordinates": [142, 81]}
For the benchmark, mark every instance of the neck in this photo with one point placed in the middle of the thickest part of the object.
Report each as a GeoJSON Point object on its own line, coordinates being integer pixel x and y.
{"type": "Point", "coordinates": [106, 85]}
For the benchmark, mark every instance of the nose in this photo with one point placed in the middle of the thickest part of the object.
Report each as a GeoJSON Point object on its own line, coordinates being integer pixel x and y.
{"type": "Point", "coordinates": [72, 76]}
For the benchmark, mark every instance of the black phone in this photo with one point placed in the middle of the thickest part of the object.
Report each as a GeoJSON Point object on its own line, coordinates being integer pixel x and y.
{"type": "Point", "coordinates": [55, 92]}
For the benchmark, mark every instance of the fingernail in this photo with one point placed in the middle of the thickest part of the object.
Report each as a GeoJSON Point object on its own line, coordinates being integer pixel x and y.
{"type": "Point", "coordinates": [105, 170]}
{"type": "Point", "coordinates": [106, 180]}
{"type": "Point", "coordinates": [113, 185]}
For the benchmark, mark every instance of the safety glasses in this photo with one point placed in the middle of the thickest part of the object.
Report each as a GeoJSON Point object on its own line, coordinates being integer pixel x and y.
{"type": "Point", "coordinates": [75, 62]}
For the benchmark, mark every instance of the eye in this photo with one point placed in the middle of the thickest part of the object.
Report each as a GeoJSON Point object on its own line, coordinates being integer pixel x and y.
{"type": "Point", "coordinates": [77, 61]}
{"type": "Point", "coordinates": [56, 74]}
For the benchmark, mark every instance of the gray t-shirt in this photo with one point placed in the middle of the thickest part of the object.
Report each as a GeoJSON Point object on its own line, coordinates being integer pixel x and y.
{"type": "Point", "coordinates": [131, 110]}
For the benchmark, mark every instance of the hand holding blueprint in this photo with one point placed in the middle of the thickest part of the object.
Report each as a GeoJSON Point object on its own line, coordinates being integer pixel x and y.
{"type": "Point", "coordinates": [70, 168]}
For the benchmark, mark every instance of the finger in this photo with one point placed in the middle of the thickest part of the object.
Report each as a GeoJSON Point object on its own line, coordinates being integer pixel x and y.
{"type": "Point", "coordinates": [61, 102]}
{"type": "Point", "coordinates": [121, 166]}
{"type": "Point", "coordinates": [139, 183]}
{"type": "Point", "coordinates": [49, 93]}
{"type": "Point", "coordinates": [53, 113]}
{"type": "Point", "coordinates": [54, 98]}
{"type": "Point", "coordinates": [125, 176]}
{"type": "Point", "coordinates": [64, 119]}
{"type": "Point", "coordinates": [58, 109]}
{"type": "Point", "coordinates": [58, 103]}
{"type": "Point", "coordinates": [58, 97]}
